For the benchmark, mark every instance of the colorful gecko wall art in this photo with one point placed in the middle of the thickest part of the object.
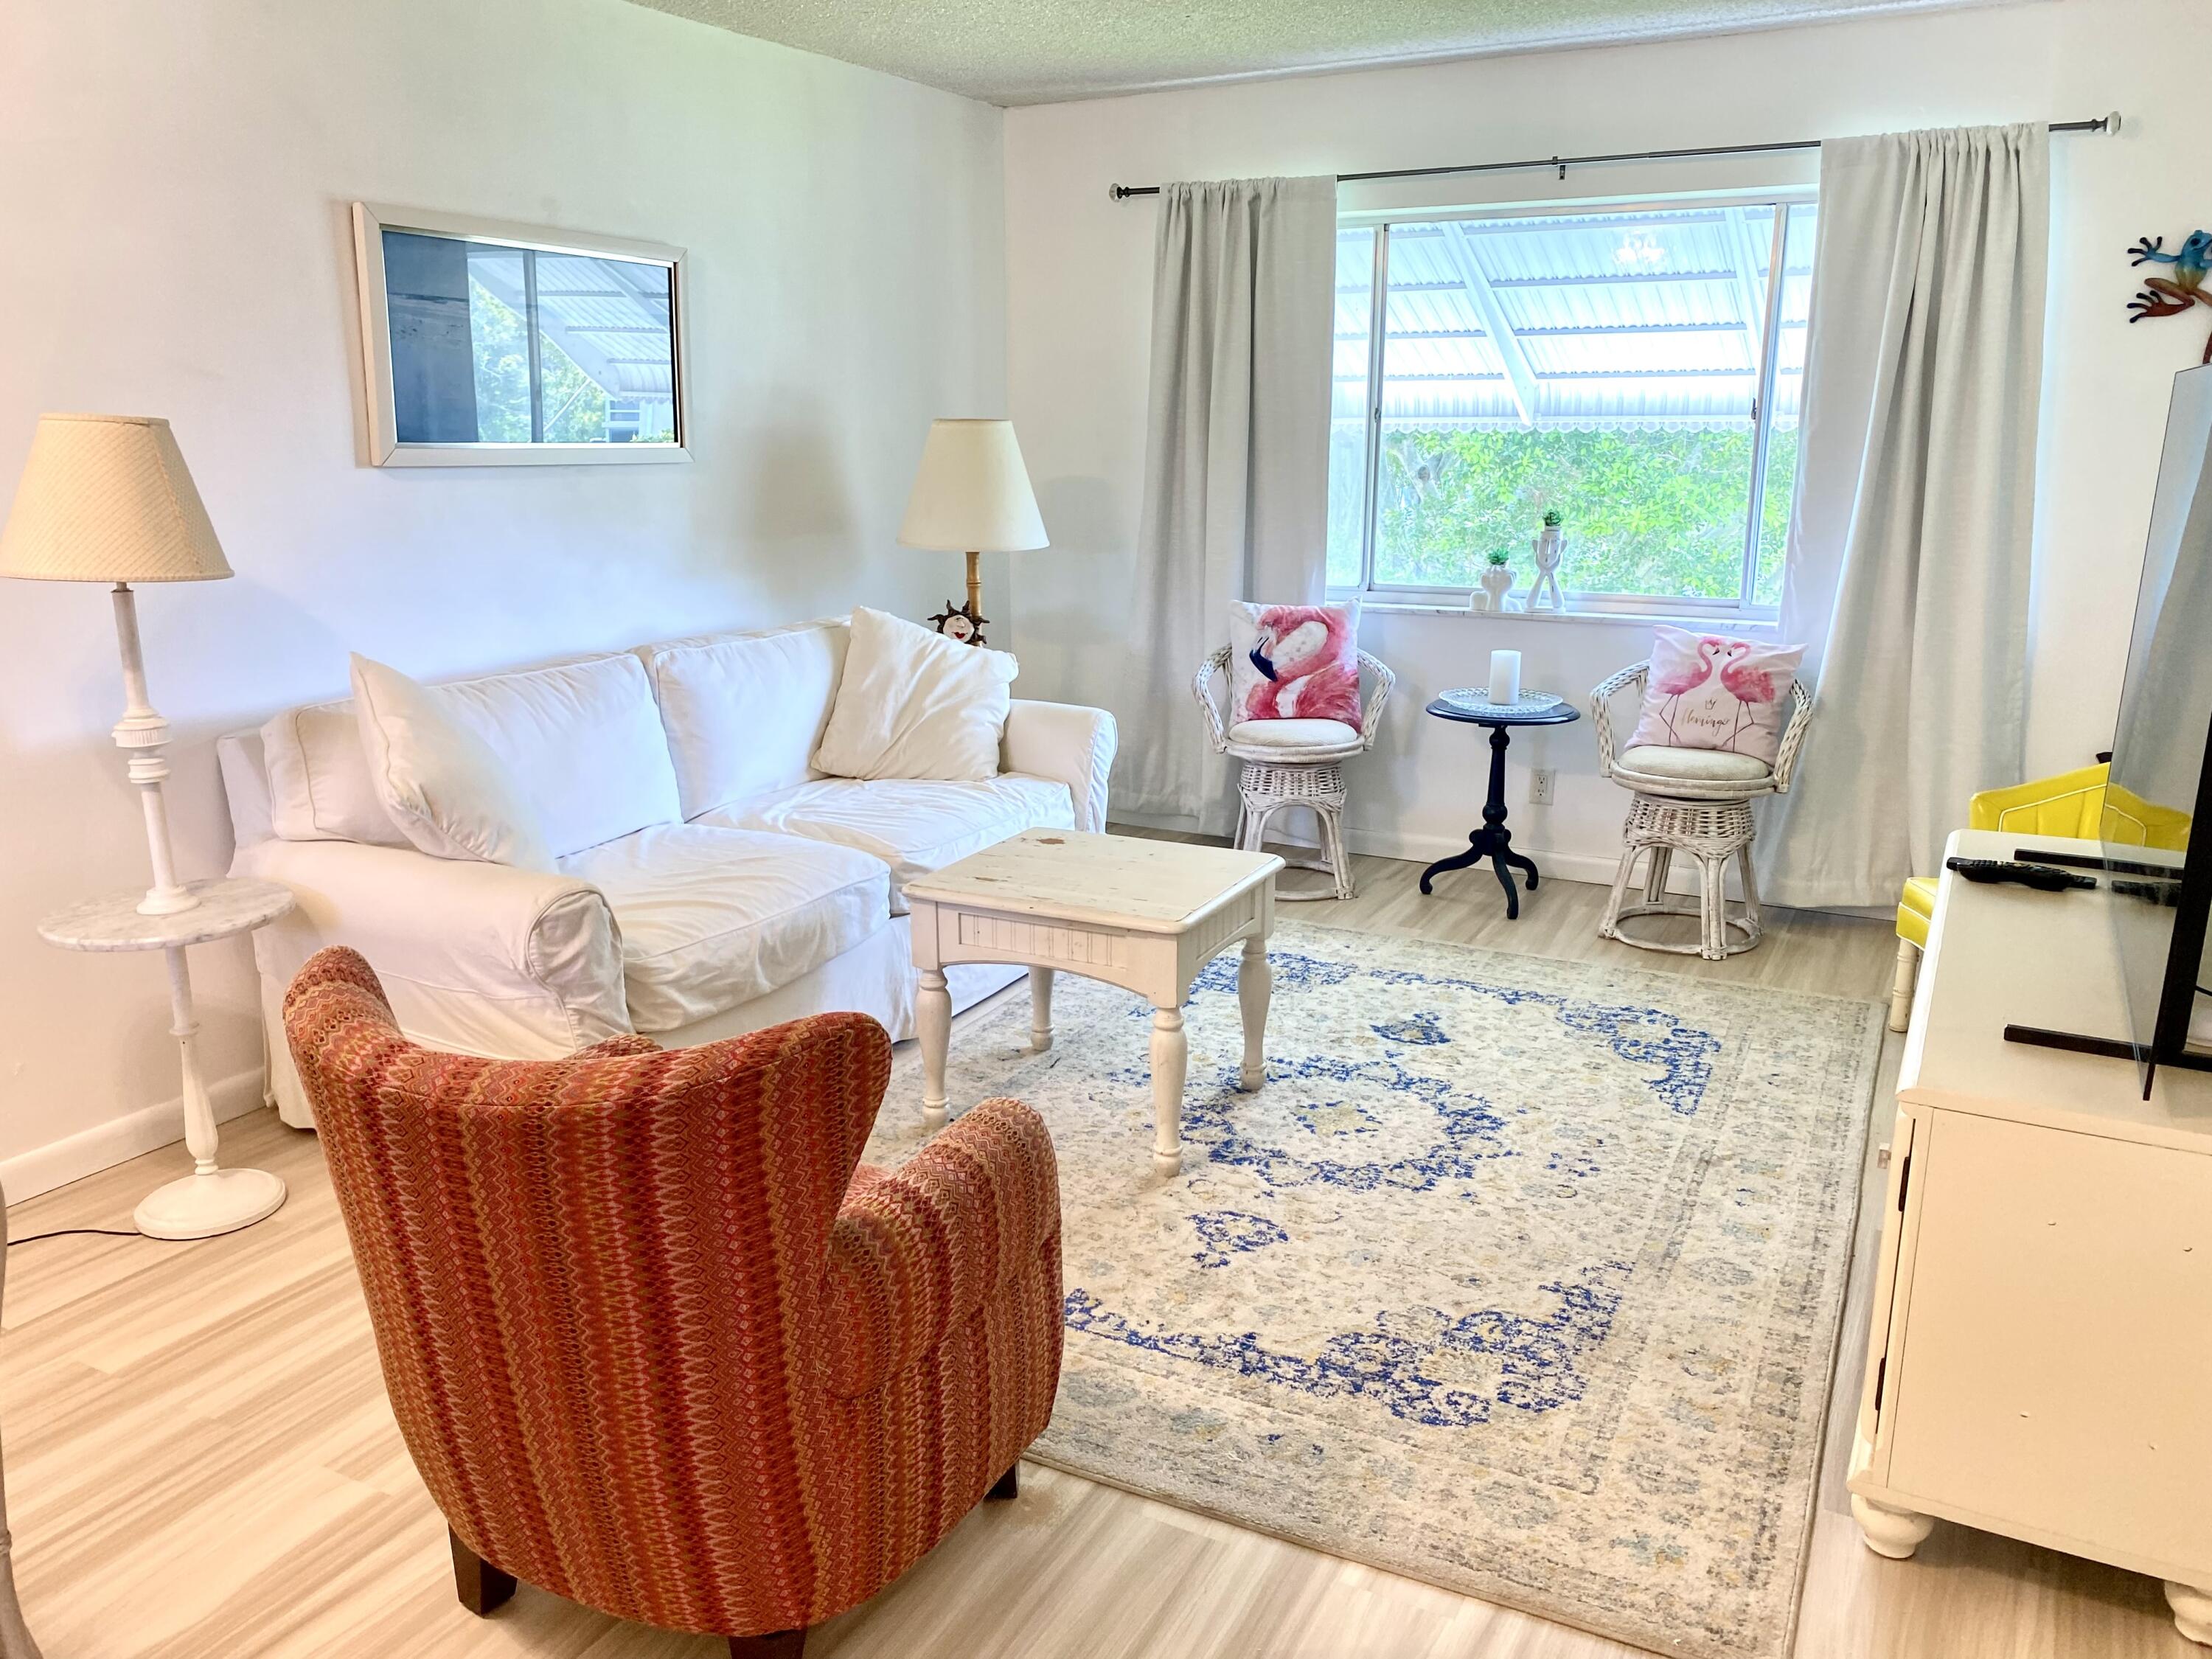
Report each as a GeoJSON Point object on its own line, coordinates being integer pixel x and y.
{"type": "Point", "coordinates": [2163, 296]}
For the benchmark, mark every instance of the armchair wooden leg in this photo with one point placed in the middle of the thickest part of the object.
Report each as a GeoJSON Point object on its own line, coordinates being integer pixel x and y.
{"type": "Point", "coordinates": [1009, 1486]}
{"type": "Point", "coordinates": [483, 1588]}
{"type": "Point", "coordinates": [783, 1644]}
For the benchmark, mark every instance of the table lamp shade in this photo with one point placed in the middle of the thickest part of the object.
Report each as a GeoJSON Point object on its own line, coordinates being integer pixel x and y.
{"type": "Point", "coordinates": [971, 493]}
{"type": "Point", "coordinates": [108, 498]}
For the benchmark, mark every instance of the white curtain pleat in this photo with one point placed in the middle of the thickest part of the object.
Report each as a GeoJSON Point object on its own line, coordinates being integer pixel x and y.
{"type": "Point", "coordinates": [1911, 546]}
{"type": "Point", "coordinates": [1235, 460]}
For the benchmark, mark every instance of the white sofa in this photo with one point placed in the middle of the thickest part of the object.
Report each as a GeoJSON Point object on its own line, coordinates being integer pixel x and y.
{"type": "Point", "coordinates": [708, 881]}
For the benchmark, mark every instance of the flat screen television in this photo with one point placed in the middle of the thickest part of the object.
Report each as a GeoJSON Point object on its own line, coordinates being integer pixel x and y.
{"type": "Point", "coordinates": [2161, 776]}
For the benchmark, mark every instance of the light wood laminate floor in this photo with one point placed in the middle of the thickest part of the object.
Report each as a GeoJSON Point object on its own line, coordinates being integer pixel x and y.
{"type": "Point", "coordinates": [201, 1464]}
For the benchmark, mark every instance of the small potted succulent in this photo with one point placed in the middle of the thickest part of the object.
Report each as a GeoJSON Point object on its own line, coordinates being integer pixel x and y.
{"type": "Point", "coordinates": [1497, 580]}
{"type": "Point", "coordinates": [1549, 545]}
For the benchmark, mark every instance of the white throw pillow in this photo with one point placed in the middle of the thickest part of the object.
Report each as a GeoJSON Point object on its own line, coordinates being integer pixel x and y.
{"type": "Point", "coordinates": [915, 704]}
{"type": "Point", "coordinates": [443, 786]}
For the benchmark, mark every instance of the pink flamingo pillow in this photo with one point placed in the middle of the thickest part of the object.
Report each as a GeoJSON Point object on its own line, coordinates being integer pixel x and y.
{"type": "Point", "coordinates": [1707, 691]}
{"type": "Point", "coordinates": [1294, 662]}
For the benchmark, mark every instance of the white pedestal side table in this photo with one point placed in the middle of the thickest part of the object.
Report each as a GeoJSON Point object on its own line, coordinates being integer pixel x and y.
{"type": "Point", "coordinates": [1146, 915]}
{"type": "Point", "coordinates": [210, 1199]}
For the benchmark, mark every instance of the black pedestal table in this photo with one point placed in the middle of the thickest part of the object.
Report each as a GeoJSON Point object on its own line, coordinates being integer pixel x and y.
{"type": "Point", "coordinates": [1493, 840]}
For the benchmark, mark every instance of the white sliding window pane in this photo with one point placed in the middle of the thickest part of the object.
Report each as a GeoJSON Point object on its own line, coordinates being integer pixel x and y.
{"type": "Point", "coordinates": [1604, 365]}
{"type": "Point", "coordinates": [1788, 386]}
{"type": "Point", "coordinates": [1347, 424]}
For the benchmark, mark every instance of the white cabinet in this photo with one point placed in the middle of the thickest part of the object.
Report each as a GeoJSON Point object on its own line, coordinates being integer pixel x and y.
{"type": "Point", "coordinates": [2040, 1363]}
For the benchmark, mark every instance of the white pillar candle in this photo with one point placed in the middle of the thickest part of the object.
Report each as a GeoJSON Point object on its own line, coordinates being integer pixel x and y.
{"type": "Point", "coordinates": [1505, 676]}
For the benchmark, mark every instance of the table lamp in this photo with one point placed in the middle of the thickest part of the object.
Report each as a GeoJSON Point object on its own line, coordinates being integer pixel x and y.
{"type": "Point", "coordinates": [107, 498]}
{"type": "Point", "coordinates": [971, 495]}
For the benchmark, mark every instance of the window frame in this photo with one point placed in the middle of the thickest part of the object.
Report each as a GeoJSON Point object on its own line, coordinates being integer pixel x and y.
{"type": "Point", "coordinates": [370, 221]}
{"type": "Point", "coordinates": [1743, 608]}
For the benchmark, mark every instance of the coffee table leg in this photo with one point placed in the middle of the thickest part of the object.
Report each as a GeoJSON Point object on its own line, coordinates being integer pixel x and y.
{"type": "Point", "coordinates": [1255, 982]}
{"type": "Point", "coordinates": [1170, 1061]}
{"type": "Point", "coordinates": [932, 1020]}
{"type": "Point", "coordinates": [1040, 1009]}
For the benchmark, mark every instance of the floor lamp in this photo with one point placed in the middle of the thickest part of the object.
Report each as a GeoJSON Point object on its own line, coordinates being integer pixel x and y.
{"type": "Point", "coordinates": [108, 498]}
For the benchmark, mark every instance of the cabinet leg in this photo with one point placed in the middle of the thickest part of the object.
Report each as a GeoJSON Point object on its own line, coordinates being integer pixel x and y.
{"type": "Point", "coordinates": [1170, 1063]}
{"type": "Point", "coordinates": [2192, 1611]}
{"type": "Point", "coordinates": [1893, 1532]}
{"type": "Point", "coordinates": [932, 1019]}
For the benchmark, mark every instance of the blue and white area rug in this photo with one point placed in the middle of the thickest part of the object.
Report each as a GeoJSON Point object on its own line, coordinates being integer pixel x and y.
{"type": "Point", "coordinates": [1519, 1276]}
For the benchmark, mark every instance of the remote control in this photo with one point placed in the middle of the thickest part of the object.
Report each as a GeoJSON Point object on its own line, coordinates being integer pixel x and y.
{"type": "Point", "coordinates": [2041, 876]}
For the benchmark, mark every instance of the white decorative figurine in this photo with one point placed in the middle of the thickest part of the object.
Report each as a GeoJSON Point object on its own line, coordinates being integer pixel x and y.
{"type": "Point", "coordinates": [1549, 547]}
{"type": "Point", "coordinates": [1496, 582]}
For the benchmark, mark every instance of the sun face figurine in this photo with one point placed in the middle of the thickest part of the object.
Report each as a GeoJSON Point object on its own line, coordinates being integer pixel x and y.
{"type": "Point", "coordinates": [959, 621]}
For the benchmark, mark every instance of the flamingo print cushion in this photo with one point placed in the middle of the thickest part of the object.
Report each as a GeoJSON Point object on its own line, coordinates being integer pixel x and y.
{"type": "Point", "coordinates": [1710, 692]}
{"type": "Point", "coordinates": [1294, 662]}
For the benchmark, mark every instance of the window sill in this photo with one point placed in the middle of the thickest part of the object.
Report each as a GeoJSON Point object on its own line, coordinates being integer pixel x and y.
{"type": "Point", "coordinates": [1761, 627]}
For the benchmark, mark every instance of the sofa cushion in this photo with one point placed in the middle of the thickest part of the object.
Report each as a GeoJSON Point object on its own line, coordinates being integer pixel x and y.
{"type": "Point", "coordinates": [713, 917]}
{"type": "Point", "coordinates": [444, 786]}
{"type": "Point", "coordinates": [318, 775]}
{"type": "Point", "coordinates": [914, 703]}
{"type": "Point", "coordinates": [583, 740]}
{"type": "Point", "coordinates": [914, 825]}
{"type": "Point", "coordinates": [745, 711]}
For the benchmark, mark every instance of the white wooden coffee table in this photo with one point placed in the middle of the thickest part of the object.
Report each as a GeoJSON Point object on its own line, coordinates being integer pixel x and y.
{"type": "Point", "coordinates": [1146, 915]}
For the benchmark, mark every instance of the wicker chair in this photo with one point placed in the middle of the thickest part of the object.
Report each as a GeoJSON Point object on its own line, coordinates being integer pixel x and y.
{"type": "Point", "coordinates": [1692, 801]}
{"type": "Point", "coordinates": [657, 1340]}
{"type": "Point", "coordinates": [1291, 764]}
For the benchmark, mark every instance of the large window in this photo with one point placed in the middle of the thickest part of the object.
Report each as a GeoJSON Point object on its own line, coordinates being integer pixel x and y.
{"type": "Point", "coordinates": [1637, 372]}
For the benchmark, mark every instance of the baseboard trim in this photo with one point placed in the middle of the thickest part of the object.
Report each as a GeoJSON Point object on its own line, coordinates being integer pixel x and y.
{"type": "Point", "coordinates": [1414, 847]}
{"type": "Point", "coordinates": [121, 1139]}
{"type": "Point", "coordinates": [1427, 849]}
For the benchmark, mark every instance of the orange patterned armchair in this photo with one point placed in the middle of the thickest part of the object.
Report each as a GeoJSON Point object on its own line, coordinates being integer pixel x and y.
{"type": "Point", "coordinates": [657, 1342]}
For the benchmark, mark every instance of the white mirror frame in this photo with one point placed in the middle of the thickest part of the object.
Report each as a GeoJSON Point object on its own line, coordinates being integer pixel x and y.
{"type": "Point", "coordinates": [371, 219]}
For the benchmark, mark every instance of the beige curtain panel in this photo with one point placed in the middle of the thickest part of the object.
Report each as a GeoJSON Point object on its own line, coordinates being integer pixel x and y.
{"type": "Point", "coordinates": [1235, 460]}
{"type": "Point", "coordinates": [1909, 561]}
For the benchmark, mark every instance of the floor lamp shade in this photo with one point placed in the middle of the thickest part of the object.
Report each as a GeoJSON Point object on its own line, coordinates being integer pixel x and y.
{"type": "Point", "coordinates": [108, 498]}
{"type": "Point", "coordinates": [971, 493]}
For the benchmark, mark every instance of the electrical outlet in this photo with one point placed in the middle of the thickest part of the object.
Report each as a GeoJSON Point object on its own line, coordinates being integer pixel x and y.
{"type": "Point", "coordinates": [1539, 785]}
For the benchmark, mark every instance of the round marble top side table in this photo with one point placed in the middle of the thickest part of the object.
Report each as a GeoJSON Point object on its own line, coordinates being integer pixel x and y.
{"type": "Point", "coordinates": [210, 1199]}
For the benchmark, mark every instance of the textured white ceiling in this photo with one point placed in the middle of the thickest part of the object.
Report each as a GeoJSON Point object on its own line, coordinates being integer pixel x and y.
{"type": "Point", "coordinates": [1032, 52]}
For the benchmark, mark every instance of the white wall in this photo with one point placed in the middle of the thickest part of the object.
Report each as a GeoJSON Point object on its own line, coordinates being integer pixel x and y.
{"type": "Point", "coordinates": [175, 180]}
{"type": "Point", "coordinates": [1080, 300]}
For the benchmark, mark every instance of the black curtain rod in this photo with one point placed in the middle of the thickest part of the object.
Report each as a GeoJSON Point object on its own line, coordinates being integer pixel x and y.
{"type": "Point", "coordinates": [1123, 193]}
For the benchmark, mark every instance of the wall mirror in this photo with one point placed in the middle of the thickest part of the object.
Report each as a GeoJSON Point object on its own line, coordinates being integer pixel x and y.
{"type": "Point", "coordinates": [495, 345]}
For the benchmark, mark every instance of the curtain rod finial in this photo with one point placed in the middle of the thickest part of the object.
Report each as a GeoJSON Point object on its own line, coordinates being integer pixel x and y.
{"type": "Point", "coordinates": [2112, 122]}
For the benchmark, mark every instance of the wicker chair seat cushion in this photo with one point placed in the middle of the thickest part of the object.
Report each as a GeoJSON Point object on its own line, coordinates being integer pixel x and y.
{"type": "Point", "coordinates": [1694, 765]}
{"type": "Point", "coordinates": [1294, 734]}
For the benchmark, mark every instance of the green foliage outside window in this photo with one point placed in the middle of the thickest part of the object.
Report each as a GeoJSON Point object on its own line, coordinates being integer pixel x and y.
{"type": "Point", "coordinates": [1647, 512]}
{"type": "Point", "coordinates": [576, 404]}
